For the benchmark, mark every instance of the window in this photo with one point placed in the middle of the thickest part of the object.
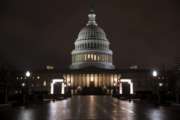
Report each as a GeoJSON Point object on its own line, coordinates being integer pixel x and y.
{"type": "Point", "coordinates": [94, 57]}
{"type": "Point", "coordinates": [38, 77]}
{"type": "Point", "coordinates": [44, 83]}
{"type": "Point", "coordinates": [88, 56]}
{"type": "Point", "coordinates": [92, 78]}
{"type": "Point", "coordinates": [98, 58]}
{"type": "Point", "coordinates": [91, 56]}
{"type": "Point", "coordinates": [85, 57]}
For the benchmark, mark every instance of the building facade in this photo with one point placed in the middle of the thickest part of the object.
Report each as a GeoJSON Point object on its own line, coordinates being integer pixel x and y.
{"type": "Point", "coordinates": [92, 65]}
{"type": "Point", "coordinates": [92, 70]}
{"type": "Point", "coordinates": [92, 51]}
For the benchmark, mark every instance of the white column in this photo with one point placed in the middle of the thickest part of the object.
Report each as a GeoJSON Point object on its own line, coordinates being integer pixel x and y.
{"type": "Point", "coordinates": [120, 88]}
{"type": "Point", "coordinates": [131, 88]}
{"type": "Point", "coordinates": [62, 88]}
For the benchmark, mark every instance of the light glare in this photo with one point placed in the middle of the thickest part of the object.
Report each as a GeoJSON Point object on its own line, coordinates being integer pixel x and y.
{"type": "Point", "coordinates": [160, 84]}
{"type": "Point", "coordinates": [154, 73]}
{"type": "Point", "coordinates": [28, 74]}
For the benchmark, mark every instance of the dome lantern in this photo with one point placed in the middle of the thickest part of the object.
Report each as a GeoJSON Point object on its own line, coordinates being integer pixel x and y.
{"type": "Point", "coordinates": [92, 18]}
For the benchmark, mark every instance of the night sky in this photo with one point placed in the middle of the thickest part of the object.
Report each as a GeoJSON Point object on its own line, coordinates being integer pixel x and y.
{"type": "Point", "coordinates": [35, 33]}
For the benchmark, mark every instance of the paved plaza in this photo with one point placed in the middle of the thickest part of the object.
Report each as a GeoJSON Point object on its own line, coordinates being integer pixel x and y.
{"type": "Point", "coordinates": [91, 108]}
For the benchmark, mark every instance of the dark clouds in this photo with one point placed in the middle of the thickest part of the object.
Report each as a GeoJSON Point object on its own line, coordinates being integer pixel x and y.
{"type": "Point", "coordinates": [39, 32]}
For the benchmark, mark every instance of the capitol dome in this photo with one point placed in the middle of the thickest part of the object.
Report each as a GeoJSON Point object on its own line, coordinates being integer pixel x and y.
{"type": "Point", "coordinates": [92, 32]}
{"type": "Point", "coordinates": [92, 47]}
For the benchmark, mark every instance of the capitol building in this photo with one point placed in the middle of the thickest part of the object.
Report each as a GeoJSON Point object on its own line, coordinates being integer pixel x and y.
{"type": "Point", "coordinates": [92, 59]}
{"type": "Point", "coordinates": [92, 70]}
{"type": "Point", "coordinates": [92, 67]}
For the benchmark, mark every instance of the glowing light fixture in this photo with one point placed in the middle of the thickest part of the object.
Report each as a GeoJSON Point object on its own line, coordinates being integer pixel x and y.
{"type": "Point", "coordinates": [44, 83]}
{"type": "Point", "coordinates": [92, 78]}
{"type": "Point", "coordinates": [38, 77]}
{"type": "Point", "coordinates": [94, 57]}
{"type": "Point", "coordinates": [28, 74]}
{"type": "Point", "coordinates": [55, 81]}
{"type": "Point", "coordinates": [160, 84]}
{"type": "Point", "coordinates": [154, 73]}
{"type": "Point", "coordinates": [129, 82]}
{"type": "Point", "coordinates": [23, 84]}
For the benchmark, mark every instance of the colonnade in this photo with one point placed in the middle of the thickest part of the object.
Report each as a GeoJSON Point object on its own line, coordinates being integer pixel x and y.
{"type": "Point", "coordinates": [92, 45]}
{"type": "Point", "coordinates": [91, 58]}
{"type": "Point", "coordinates": [98, 80]}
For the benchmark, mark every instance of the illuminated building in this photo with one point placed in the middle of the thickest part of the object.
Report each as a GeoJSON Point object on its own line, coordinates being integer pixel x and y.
{"type": "Point", "coordinates": [92, 47]}
{"type": "Point", "coordinates": [92, 69]}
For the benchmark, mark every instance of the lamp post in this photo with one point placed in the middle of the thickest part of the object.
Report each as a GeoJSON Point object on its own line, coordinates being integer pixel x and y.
{"type": "Point", "coordinates": [156, 85]}
{"type": "Point", "coordinates": [69, 88]}
{"type": "Point", "coordinates": [27, 75]}
{"type": "Point", "coordinates": [154, 73]}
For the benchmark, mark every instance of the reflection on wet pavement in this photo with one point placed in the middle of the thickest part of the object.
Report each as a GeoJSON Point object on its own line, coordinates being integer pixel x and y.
{"type": "Point", "coordinates": [91, 108]}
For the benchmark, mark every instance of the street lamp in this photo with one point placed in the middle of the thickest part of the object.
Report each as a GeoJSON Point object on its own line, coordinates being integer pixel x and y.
{"type": "Point", "coordinates": [23, 84]}
{"type": "Point", "coordinates": [27, 74]}
{"type": "Point", "coordinates": [26, 94]}
{"type": "Point", "coordinates": [154, 73]}
{"type": "Point", "coordinates": [160, 84]}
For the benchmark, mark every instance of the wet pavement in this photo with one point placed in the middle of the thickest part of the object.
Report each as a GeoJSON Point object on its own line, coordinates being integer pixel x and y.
{"type": "Point", "coordinates": [91, 108]}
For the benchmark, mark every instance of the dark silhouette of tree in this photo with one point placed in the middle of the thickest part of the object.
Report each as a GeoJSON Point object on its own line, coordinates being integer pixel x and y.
{"type": "Point", "coordinates": [7, 81]}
